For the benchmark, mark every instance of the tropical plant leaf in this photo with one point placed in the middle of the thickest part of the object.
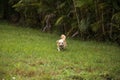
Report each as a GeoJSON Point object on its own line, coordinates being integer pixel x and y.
{"type": "Point", "coordinates": [116, 20]}
{"type": "Point", "coordinates": [61, 5]}
{"type": "Point", "coordinates": [116, 16]}
{"type": "Point", "coordinates": [18, 5]}
{"type": "Point", "coordinates": [59, 20]}
{"type": "Point", "coordinates": [102, 5]}
{"type": "Point", "coordinates": [80, 3]}
{"type": "Point", "coordinates": [84, 23]}
{"type": "Point", "coordinates": [95, 26]}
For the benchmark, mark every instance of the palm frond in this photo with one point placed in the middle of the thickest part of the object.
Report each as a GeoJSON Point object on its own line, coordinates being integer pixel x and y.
{"type": "Point", "coordinates": [59, 20]}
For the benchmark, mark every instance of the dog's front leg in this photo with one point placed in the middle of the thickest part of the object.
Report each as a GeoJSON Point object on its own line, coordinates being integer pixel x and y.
{"type": "Point", "coordinates": [58, 48]}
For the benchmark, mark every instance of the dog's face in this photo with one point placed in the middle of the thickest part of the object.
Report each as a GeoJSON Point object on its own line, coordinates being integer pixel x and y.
{"type": "Point", "coordinates": [61, 43]}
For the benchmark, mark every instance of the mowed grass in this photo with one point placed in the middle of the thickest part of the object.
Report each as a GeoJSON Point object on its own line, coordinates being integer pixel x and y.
{"type": "Point", "coordinates": [28, 54]}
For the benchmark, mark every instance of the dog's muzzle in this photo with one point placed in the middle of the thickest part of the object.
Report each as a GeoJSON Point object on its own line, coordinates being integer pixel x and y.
{"type": "Point", "coordinates": [61, 46]}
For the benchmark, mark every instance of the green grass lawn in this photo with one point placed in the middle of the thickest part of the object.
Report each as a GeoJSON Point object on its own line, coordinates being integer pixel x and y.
{"type": "Point", "coordinates": [28, 54]}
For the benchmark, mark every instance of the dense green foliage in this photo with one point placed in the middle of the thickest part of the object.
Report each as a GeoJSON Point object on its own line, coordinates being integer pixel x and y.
{"type": "Point", "coordinates": [86, 19]}
{"type": "Point", "coordinates": [28, 54]}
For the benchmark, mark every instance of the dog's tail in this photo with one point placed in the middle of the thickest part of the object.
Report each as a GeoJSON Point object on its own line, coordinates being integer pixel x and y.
{"type": "Point", "coordinates": [63, 36]}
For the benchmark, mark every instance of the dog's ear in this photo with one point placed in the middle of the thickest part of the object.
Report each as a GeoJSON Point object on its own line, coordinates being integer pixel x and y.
{"type": "Point", "coordinates": [57, 42]}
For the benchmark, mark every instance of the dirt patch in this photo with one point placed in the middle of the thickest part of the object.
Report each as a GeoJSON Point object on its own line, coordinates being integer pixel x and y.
{"type": "Point", "coordinates": [75, 77]}
{"type": "Point", "coordinates": [26, 73]}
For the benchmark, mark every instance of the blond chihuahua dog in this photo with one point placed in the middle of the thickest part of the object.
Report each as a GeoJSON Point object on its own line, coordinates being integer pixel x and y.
{"type": "Point", "coordinates": [61, 43]}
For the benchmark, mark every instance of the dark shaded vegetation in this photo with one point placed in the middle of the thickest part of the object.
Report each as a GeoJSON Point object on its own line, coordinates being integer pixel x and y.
{"type": "Point", "coordinates": [85, 19]}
